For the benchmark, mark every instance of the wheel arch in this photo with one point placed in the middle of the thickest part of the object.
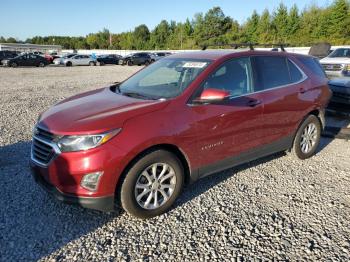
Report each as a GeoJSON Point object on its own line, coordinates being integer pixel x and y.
{"type": "Point", "coordinates": [168, 147]}
{"type": "Point", "coordinates": [320, 115]}
{"type": "Point", "coordinates": [315, 112]}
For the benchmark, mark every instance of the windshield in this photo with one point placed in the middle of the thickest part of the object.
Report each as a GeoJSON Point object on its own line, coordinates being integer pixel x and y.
{"type": "Point", "coordinates": [341, 52]}
{"type": "Point", "coordinates": [166, 78]}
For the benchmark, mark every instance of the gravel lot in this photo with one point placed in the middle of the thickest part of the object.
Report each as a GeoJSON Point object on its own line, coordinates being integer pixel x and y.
{"type": "Point", "coordinates": [277, 208]}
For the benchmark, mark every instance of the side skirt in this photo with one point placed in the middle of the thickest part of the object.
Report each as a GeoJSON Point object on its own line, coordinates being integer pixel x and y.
{"type": "Point", "coordinates": [248, 156]}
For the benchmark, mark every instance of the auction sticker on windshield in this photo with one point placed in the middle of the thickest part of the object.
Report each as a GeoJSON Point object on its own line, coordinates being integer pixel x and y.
{"type": "Point", "coordinates": [195, 64]}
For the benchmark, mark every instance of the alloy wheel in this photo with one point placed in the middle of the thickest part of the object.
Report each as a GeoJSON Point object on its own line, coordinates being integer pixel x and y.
{"type": "Point", "coordinates": [155, 185]}
{"type": "Point", "coordinates": [308, 138]}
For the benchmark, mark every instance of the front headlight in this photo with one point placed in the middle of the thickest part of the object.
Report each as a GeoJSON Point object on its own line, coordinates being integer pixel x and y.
{"type": "Point", "coordinates": [84, 142]}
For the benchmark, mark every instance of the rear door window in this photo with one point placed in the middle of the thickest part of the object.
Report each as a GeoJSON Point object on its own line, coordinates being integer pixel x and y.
{"type": "Point", "coordinates": [270, 72]}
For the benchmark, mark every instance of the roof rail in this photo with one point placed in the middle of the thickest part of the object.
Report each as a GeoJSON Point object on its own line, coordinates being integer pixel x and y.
{"type": "Point", "coordinates": [250, 45]}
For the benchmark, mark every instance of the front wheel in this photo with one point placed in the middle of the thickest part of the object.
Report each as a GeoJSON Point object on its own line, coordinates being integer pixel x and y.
{"type": "Point", "coordinates": [307, 138]}
{"type": "Point", "coordinates": [14, 64]}
{"type": "Point", "coordinates": [152, 184]}
{"type": "Point", "coordinates": [147, 63]}
{"type": "Point", "coordinates": [41, 64]}
{"type": "Point", "coordinates": [91, 63]}
{"type": "Point", "coordinates": [129, 63]}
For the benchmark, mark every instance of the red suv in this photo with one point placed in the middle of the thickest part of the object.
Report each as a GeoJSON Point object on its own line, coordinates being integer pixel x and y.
{"type": "Point", "coordinates": [189, 115]}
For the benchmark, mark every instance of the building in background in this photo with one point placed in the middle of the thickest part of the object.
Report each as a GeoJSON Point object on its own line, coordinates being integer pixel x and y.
{"type": "Point", "coordinates": [30, 47]}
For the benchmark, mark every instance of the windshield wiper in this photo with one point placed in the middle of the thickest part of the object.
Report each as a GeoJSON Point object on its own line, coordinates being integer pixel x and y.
{"type": "Point", "coordinates": [138, 95]}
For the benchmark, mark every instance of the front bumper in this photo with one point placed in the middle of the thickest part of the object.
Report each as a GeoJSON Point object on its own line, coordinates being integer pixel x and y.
{"type": "Point", "coordinates": [104, 204]}
{"type": "Point", "coordinates": [337, 73]}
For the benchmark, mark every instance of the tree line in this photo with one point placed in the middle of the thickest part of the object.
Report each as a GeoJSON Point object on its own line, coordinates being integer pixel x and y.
{"type": "Point", "coordinates": [282, 25]}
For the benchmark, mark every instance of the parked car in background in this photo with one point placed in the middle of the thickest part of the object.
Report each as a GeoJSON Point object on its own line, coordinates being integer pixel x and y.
{"type": "Point", "coordinates": [59, 60]}
{"type": "Point", "coordinates": [182, 118]}
{"type": "Point", "coordinates": [51, 57]}
{"type": "Point", "coordinates": [136, 59]}
{"type": "Point", "coordinates": [79, 60]}
{"type": "Point", "coordinates": [108, 59]}
{"type": "Point", "coordinates": [341, 91]}
{"type": "Point", "coordinates": [337, 63]}
{"type": "Point", "coordinates": [158, 55]}
{"type": "Point", "coordinates": [26, 60]}
{"type": "Point", "coordinates": [5, 55]}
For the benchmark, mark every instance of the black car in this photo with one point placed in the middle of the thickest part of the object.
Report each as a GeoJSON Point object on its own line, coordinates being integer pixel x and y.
{"type": "Point", "coordinates": [26, 60]}
{"type": "Point", "coordinates": [108, 59]}
{"type": "Point", "coordinates": [5, 55]}
{"type": "Point", "coordinates": [341, 91]}
{"type": "Point", "coordinates": [136, 59]}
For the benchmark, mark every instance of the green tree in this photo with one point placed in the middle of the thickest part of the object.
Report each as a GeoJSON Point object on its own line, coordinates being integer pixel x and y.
{"type": "Point", "coordinates": [293, 22]}
{"type": "Point", "coordinates": [141, 37]}
{"type": "Point", "coordinates": [264, 28]}
{"type": "Point", "coordinates": [280, 22]}
{"type": "Point", "coordinates": [339, 20]}
{"type": "Point", "coordinates": [159, 36]}
{"type": "Point", "coordinates": [211, 28]}
{"type": "Point", "coordinates": [251, 28]}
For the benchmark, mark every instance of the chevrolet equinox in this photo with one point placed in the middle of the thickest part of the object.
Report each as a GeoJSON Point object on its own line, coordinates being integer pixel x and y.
{"type": "Point", "coordinates": [138, 142]}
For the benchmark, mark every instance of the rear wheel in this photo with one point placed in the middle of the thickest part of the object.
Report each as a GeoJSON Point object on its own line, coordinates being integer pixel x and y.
{"type": "Point", "coordinates": [147, 63]}
{"type": "Point", "coordinates": [129, 63]}
{"type": "Point", "coordinates": [41, 64]}
{"type": "Point", "coordinates": [69, 64]}
{"type": "Point", "coordinates": [152, 184]}
{"type": "Point", "coordinates": [102, 63]}
{"type": "Point", "coordinates": [91, 63]}
{"type": "Point", "coordinates": [14, 64]}
{"type": "Point", "coordinates": [307, 138]}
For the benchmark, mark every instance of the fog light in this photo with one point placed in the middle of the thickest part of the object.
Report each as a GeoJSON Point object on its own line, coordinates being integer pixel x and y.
{"type": "Point", "coordinates": [90, 181]}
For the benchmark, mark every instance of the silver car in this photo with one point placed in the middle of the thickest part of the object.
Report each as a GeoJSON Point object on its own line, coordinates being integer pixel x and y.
{"type": "Point", "coordinates": [79, 60]}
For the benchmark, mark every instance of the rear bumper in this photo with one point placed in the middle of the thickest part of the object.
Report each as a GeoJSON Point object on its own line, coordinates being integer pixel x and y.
{"type": "Point", "coordinates": [104, 204]}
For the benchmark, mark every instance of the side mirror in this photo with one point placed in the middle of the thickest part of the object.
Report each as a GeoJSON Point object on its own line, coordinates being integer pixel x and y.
{"type": "Point", "coordinates": [210, 95]}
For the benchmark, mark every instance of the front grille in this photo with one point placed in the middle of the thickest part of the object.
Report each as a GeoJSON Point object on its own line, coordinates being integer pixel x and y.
{"type": "Point", "coordinates": [43, 134]}
{"type": "Point", "coordinates": [42, 152]}
{"type": "Point", "coordinates": [332, 67]}
{"type": "Point", "coordinates": [341, 95]}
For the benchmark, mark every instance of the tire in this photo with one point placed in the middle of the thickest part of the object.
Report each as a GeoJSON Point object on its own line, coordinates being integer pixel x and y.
{"type": "Point", "coordinates": [138, 206]}
{"type": "Point", "coordinates": [69, 64]}
{"type": "Point", "coordinates": [41, 64]}
{"type": "Point", "coordinates": [147, 63]}
{"type": "Point", "coordinates": [14, 65]}
{"type": "Point", "coordinates": [102, 63]}
{"type": "Point", "coordinates": [129, 63]}
{"type": "Point", "coordinates": [307, 138]}
{"type": "Point", "coordinates": [91, 63]}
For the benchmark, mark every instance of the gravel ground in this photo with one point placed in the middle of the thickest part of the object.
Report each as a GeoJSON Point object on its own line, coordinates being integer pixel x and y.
{"type": "Point", "coordinates": [277, 208]}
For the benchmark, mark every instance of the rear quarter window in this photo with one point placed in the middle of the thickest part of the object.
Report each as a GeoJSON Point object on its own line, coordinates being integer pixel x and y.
{"type": "Point", "coordinates": [295, 74]}
{"type": "Point", "coordinates": [313, 65]}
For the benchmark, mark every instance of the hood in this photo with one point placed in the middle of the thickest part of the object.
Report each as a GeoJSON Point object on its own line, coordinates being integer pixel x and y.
{"type": "Point", "coordinates": [320, 49]}
{"type": "Point", "coordinates": [95, 112]}
{"type": "Point", "coordinates": [335, 60]}
{"type": "Point", "coordinates": [340, 82]}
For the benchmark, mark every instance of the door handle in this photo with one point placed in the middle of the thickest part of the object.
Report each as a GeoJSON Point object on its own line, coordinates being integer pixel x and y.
{"type": "Point", "coordinates": [253, 103]}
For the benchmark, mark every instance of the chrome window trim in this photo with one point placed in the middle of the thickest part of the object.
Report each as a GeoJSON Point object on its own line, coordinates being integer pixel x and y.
{"type": "Point", "coordinates": [304, 77]}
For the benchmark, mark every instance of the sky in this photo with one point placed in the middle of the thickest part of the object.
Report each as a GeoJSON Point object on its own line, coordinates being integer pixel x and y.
{"type": "Point", "coordinates": [27, 18]}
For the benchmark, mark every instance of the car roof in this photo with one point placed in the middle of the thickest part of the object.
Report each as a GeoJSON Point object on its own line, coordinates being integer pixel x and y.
{"type": "Point", "coordinates": [221, 54]}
